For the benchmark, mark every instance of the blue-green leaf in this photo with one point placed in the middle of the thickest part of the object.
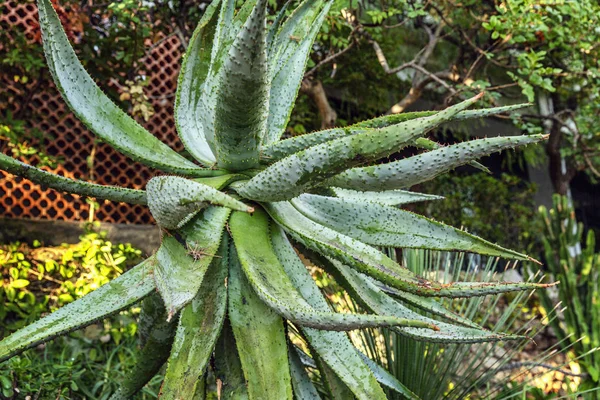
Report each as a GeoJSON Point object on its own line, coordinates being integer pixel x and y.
{"type": "Point", "coordinates": [423, 167]}
{"type": "Point", "coordinates": [96, 110]}
{"type": "Point", "coordinates": [174, 201]}
{"type": "Point", "coordinates": [290, 53]}
{"type": "Point", "coordinates": [242, 98]}
{"type": "Point", "coordinates": [63, 184]}
{"type": "Point", "coordinates": [301, 171]}
{"type": "Point", "coordinates": [199, 326]}
{"type": "Point", "coordinates": [259, 337]}
{"type": "Point", "coordinates": [190, 86]}
{"type": "Point", "coordinates": [271, 283]}
{"type": "Point", "coordinates": [382, 225]}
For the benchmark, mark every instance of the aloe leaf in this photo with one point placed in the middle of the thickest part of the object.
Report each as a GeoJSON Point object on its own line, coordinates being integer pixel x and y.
{"type": "Point", "coordinates": [387, 197]}
{"type": "Point", "coordinates": [174, 201]}
{"type": "Point", "coordinates": [428, 304]}
{"type": "Point", "coordinates": [423, 167]}
{"type": "Point", "coordinates": [388, 380]}
{"type": "Point", "coordinates": [259, 337]}
{"type": "Point", "coordinates": [279, 150]}
{"type": "Point", "coordinates": [284, 148]}
{"type": "Point", "coordinates": [269, 280]}
{"type": "Point", "coordinates": [290, 53]}
{"type": "Point", "coordinates": [274, 28]}
{"type": "Point", "coordinates": [375, 300]}
{"type": "Point", "coordinates": [153, 355]}
{"type": "Point", "coordinates": [63, 184]}
{"type": "Point", "coordinates": [220, 182]}
{"type": "Point", "coordinates": [372, 262]}
{"type": "Point", "coordinates": [336, 389]}
{"type": "Point", "coordinates": [96, 110]}
{"type": "Point", "coordinates": [242, 98]}
{"type": "Point", "coordinates": [228, 368]}
{"type": "Point", "coordinates": [393, 119]}
{"type": "Point", "coordinates": [190, 86]}
{"type": "Point", "coordinates": [301, 382]}
{"type": "Point", "coordinates": [334, 348]}
{"type": "Point", "coordinates": [381, 225]}
{"type": "Point", "coordinates": [180, 270]}
{"type": "Point", "coordinates": [199, 326]}
{"type": "Point", "coordinates": [178, 276]}
{"type": "Point", "coordinates": [427, 144]}
{"type": "Point", "coordinates": [327, 241]}
{"type": "Point", "coordinates": [110, 298]}
{"type": "Point", "coordinates": [301, 171]}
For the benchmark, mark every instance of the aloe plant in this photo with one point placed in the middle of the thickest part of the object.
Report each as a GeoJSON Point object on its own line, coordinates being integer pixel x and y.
{"type": "Point", "coordinates": [228, 280]}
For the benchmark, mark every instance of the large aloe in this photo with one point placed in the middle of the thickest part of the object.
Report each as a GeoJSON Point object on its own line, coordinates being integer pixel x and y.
{"type": "Point", "coordinates": [229, 274]}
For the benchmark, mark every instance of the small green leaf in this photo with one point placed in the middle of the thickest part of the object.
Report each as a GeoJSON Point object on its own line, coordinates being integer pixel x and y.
{"type": "Point", "coordinates": [177, 274]}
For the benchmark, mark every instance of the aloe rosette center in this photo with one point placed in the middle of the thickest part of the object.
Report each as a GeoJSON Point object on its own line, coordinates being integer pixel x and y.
{"type": "Point", "coordinates": [240, 219]}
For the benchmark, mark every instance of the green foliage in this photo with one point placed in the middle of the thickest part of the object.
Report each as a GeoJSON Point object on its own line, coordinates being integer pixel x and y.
{"type": "Point", "coordinates": [39, 279]}
{"type": "Point", "coordinates": [571, 258]}
{"type": "Point", "coordinates": [253, 218]}
{"type": "Point", "coordinates": [500, 209]}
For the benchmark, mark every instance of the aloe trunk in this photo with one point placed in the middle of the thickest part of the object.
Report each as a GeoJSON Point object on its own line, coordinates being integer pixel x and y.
{"type": "Point", "coordinates": [232, 284]}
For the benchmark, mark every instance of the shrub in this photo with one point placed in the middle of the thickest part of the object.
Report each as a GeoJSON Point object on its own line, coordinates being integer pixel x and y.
{"type": "Point", "coordinates": [227, 278]}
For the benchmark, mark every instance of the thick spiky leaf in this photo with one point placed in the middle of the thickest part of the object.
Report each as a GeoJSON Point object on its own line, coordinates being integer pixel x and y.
{"type": "Point", "coordinates": [429, 305]}
{"type": "Point", "coordinates": [301, 382]}
{"type": "Point", "coordinates": [242, 99]}
{"type": "Point", "coordinates": [180, 270]}
{"type": "Point", "coordinates": [63, 184]}
{"type": "Point", "coordinates": [410, 171]}
{"type": "Point", "coordinates": [382, 225]}
{"type": "Point", "coordinates": [228, 367]}
{"type": "Point", "coordinates": [372, 262]}
{"type": "Point", "coordinates": [427, 144]}
{"type": "Point", "coordinates": [269, 280]}
{"type": "Point", "coordinates": [388, 380]}
{"type": "Point", "coordinates": [96, 110]}
{"type": "Point", "coordinates": [301, 171]}
{"type": "Point", "coordinates": [190, 86]}
{"type": "Point", "coordinates": [392, 119]}
{"type": "Point", "coordinates": [173, 200]}
{"type": "Point", "coordinates": [112, 297]}
{"type": "Point", "coordinates": [374, 299]}
{"type": "Point", "coordinates": [177, 274]}
{"type": "Point", "coordinates": [259, 337]}
{"type": "Point", "coordinates": [289, 54]}
{"type": "Point", "coordinates": [220, 182]}
{"type": "Point", "coordinates": [153, 355]}
{"type": "Point", "coordinates": [199, 326]}
{"type": "Point", "coordinates": [387, 197]}
{"type": "Point", "coordinates": [334, 244]}
{"type": "Point", "coordinates": [334, 348]}
{"type": "Point", "coordinates": [284, 148]}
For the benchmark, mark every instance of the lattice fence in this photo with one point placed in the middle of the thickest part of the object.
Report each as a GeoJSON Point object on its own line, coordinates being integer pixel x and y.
{"type": "Point", "coordinates": [71, 140]}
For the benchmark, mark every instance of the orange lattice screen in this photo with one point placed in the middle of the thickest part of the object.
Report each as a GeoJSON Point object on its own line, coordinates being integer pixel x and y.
{"type": "Point", "coordinates": [71, 140]}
